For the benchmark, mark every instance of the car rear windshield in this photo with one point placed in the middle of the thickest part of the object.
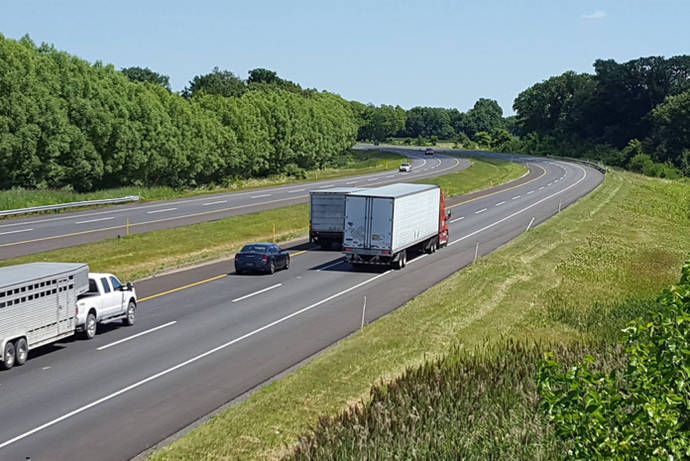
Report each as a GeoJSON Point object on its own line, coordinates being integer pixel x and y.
{"type": "Point", "coordinates": [254, 249]}
{"type": "Point", "coordinates": [405, 164]}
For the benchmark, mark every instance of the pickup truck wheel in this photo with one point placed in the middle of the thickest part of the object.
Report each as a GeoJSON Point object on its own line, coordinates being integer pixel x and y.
{"type": "Point", "coordinates": [8, 356]}
{"type": "Point", "coordinates": [130, 317]}
{"type": "Point", "coordinates": [90, 326]}
{"type": "Point", "coordinates": [21, 351]}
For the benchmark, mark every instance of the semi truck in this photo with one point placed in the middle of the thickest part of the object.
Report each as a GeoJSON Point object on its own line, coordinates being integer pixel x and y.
{"type": "Point", "coordinates": [384, 225]}
{"type": "Point", "coordinates": [327, 216]}
{"type": "Point", "coordinates": [38, 306]}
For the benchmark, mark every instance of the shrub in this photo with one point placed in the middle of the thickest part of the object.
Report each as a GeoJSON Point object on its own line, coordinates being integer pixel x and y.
{"type": "Point", "coordinates": [645, 412]}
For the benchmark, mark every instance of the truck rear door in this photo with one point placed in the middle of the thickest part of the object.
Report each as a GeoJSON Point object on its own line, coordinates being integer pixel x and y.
{"type": "Point", "coordinates": [381, 223]}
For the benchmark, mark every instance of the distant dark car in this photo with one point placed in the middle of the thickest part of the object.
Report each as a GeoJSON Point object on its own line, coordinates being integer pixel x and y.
{"type": "Point", "coordinates": [429, 151]}
{"type": "Point", "coordinates": [261, 257]}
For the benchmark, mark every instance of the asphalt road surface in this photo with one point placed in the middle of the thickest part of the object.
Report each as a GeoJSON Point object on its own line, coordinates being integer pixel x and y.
{"type": "Point", "coordinates": [21, 236]}
{"type": "Point", "coordinates": [194, 349]}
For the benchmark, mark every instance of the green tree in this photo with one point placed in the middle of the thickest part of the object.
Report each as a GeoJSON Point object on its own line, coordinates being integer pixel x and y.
{"type": "Point", "coordinates": [220, 82]}
{"type": "Point", "coordinates": [671, 122]}
{"type": "Point", "coordinates": [138, 74]}
{"type": "Point", "coordinates": [482, 138]}
{"type": "Point", "coordinates": [486, 115]}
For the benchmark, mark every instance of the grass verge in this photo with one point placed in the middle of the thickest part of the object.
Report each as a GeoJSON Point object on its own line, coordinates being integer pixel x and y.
{"type": "Point", "coordinates": [354, 162]}
{"type": "Point", "coordinates": [142, 255]}
{"type": "Point", "coordinates": [483, 173]}
{"type": "Point", "coordinates": [624, 241]}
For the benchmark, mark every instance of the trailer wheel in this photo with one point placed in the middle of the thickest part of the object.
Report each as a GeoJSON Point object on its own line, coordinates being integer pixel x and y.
{"type": "Point", "coordinates": [21, 351]}
{"type": "Point", "coordinates": [130, 317]}
{"type": "Point", "coordinates": [402, 260]}
{"type": "Point", "coordinates": [90, 326]}
{"type": "Point", "coordinates": [8, 356]}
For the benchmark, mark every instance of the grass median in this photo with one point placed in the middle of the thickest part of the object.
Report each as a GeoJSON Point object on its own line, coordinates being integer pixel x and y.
{"type": "Point", "coordinates": [141, 255]}
{"type": "Point", "coordinates": [352, 163]}
{"type": "Point", "coordinates": [625, 240]}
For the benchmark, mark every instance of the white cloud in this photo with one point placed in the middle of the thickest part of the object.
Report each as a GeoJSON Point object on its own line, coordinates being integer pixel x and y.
{"type": "Point", "coordinates": [596, 15]}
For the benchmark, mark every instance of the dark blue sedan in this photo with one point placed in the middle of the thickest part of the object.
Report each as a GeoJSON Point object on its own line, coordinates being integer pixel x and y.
{"type": "Point", "coordinates": [261, 257]}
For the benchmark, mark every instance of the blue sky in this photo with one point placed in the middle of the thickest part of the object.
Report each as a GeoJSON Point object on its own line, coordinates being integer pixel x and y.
{"type": "Point", "coordinates": [434, 53]}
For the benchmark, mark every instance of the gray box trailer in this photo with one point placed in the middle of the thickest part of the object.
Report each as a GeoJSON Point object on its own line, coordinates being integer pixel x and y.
{"type": "Point", "coordinates": [38, 305]}
{"type": "Point", "coordinates": [383, 224]}
{"type": "Point", "coordinates": [327, 215]}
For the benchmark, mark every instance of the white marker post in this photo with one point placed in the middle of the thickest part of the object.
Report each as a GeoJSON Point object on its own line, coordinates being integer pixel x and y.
{"type": "Point", "coordinates": [364, 310]}
{"type": "Point", "coordinates": [560, 202]}
{"type": "Point", "coordinates": [529, 225]}
{"type": "Point", "coordinates": [476, 252]}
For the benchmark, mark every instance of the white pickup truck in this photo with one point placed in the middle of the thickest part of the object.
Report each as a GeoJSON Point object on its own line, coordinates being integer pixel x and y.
{"type": "Point", "coordinates": [106, 300]}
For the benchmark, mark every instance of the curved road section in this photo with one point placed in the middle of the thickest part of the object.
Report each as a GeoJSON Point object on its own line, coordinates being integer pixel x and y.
{"type": "Point", "coordinates": [48, 232]}
{"type": "Point", "coordinates": [195, 349]}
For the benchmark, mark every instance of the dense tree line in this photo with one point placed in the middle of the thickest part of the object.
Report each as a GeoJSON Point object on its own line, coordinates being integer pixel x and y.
{"type": "Point", "coordinates": [379, 123]}
{"type": "Point", "coordinates": [638, 110]}
{"type": "Point", "coordinates": [67, 123]}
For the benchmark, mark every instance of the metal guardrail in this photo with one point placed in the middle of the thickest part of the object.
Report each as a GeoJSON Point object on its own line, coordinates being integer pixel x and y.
{"type": "Point", "coordinates": [60, 206]}
{"type": "Point", "coordinates": [596, 165]}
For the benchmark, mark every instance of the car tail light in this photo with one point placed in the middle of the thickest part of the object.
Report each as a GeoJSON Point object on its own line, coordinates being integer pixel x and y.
{"type": "Point", "coordinates": [264, 258]}
{"type": "Point", "coordinates": [347, 249]}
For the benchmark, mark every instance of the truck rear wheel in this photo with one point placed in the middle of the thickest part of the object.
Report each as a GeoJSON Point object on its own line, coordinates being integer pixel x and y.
{"type": "Point", "coordinates": [21, 351]}
{"type": "Point", "coordinates": [90, 326]}
{"type": "Point", "coordinates": [8, 356]}
{"type": "Point", "coordinates": [402, 260]}
{"type": "Point", "coordinates": [130, 317]}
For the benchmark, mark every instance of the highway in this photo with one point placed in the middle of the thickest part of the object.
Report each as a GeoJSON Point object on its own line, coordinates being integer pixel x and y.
{"type": "Point", "coordinates": [195, 349]}
{"type": "Point", "coordinates": [27, 235]}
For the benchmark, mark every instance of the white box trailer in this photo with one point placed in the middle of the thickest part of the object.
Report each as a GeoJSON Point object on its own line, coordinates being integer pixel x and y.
{"type": "Point", "coordinates": [327, 215]}
{"type": "Point", "coordinates": [383, 224]}
{"type": "Point", "coordinates": [38, 305]}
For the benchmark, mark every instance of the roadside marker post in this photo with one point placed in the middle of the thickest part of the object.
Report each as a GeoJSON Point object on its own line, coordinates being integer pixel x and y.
{"type": "Point", "coordinates": [127, 226]}
{"type": "Point", "coordinates": [364, 310]}
{"type": "Point", "coordinates": [274, 232]}
{"type": "Point", "coordinates": [529, 225]}
{"type": "Point", "coordinates": [476, 252]}
{"type": "Point", "coordinates": [560, 202]}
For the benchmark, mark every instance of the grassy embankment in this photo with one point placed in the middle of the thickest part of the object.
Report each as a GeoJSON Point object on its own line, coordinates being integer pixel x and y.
{"type": "Point", "coordinates": [578, 277]}
{"type": "Point", "coordinates": [141, 255]}
{"type": "Point", "coordinates": [352, 163]}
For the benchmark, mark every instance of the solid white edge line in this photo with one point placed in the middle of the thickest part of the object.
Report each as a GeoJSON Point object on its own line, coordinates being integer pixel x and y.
{"type": "Point", "coordinates": [15, 231]}
{"type": "Point", "coordinates": [264, 290]}
{"type": "Point", "coordinates": [418, 258]}
{"type": "Point", "coordinates": [129, 338]}
{"type": "Point", "coordinates": [94, 220]}
{"type": "Point", "coordinates": [522, 210]}
{"type": "Point", "coordinates": [185, 363]}
{"type": "Point", "coordinates": [161, 211]}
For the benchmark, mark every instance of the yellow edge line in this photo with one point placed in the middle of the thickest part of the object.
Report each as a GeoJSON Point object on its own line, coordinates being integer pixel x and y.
{"type": "Point", "coordinates": [183, 287]}
{"type": "Point", "coordinates": [499, 191]}
{"type": "Point", "coordinates": [297, 253]}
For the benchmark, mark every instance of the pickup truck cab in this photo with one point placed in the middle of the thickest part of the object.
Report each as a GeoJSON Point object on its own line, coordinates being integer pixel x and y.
{"type": "Point", "coordinates": [106, 300]}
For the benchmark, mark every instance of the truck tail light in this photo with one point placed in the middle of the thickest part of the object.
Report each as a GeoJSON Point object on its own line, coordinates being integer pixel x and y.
{"type": "Point", "coordinates": [386, 252]}
{"type": "Point", "coordinates": [264, 258]}
{"type": "Point", "coordinates": [77, 313]}
{"type": "Point", "coordinates": [347, 249]}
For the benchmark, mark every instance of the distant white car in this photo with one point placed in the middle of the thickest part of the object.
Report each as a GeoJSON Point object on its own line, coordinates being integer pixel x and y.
{"type": "Point", "coordinates": [106, 300]}
{"type": "Point", "coordinates": [405, 167]}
